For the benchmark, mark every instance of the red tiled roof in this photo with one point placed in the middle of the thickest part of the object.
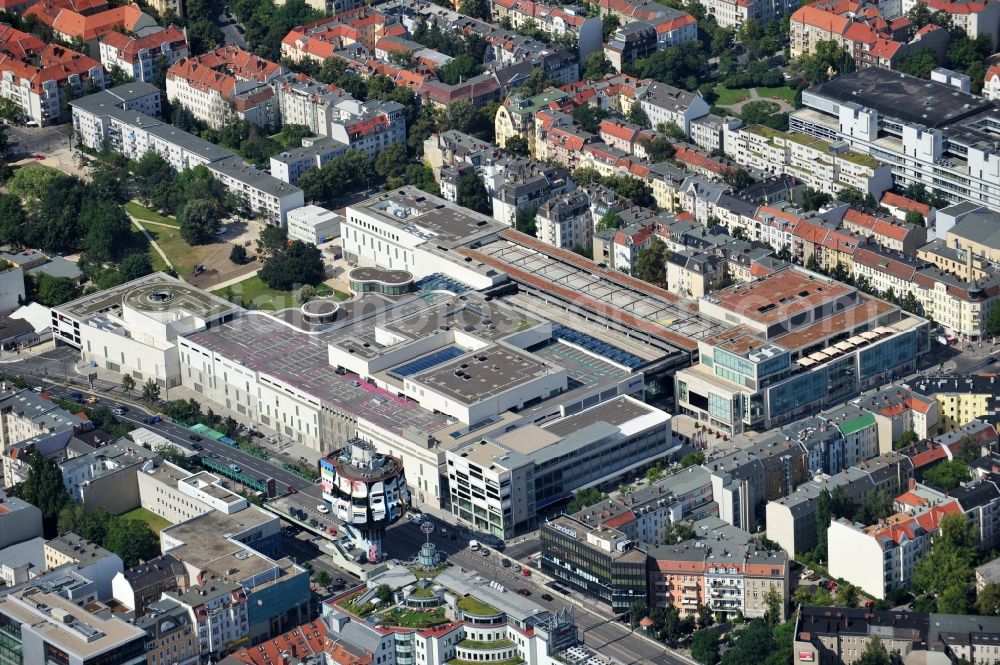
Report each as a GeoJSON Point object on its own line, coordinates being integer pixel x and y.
{"type": "Point", "coordinates": [129, 48]}
{"type": "Point", "coordinates": [877, 225]}
{"type": "Point", "coordinates": [299, 643]}
{"type": "Point", "coordinates": [74, 24]}
{"type": "Point", "coordinates": [896, 201]}
{"type": "Point", "coordinates": [817, 18]}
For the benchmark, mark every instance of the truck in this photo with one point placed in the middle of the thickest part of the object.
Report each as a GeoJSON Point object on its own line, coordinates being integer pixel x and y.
{"type": "Point", "coordinates": [474, 545]}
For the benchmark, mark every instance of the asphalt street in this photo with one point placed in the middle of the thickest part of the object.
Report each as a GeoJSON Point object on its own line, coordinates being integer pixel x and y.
{"type": "Point", "coordinates": [26, 141]}
{"type": "Point", "coordinates": [57, 366]}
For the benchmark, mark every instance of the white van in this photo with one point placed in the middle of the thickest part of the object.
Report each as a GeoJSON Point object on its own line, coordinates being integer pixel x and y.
{"type": "Point", "coordinates": [474, 545]}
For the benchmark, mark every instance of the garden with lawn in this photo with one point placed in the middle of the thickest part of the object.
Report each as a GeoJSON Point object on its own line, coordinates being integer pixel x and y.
{"type": "Point", "coordinates": [144, 214]}
{"type": "Point", "coordinates": [152, 520]}
{"type": "Point", "coordinates": [253, 291]}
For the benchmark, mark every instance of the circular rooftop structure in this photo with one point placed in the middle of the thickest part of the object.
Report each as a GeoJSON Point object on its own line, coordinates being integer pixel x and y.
{"type": "Point", "coordinates": [320, 311]}
{"type": "Point", "coordinates": [386, 282]}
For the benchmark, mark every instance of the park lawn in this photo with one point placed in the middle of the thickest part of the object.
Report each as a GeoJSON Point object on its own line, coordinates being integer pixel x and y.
{"type": "Point", "coordinates": [783, 92]}
{"type": "Point", "coordinates": [154, 257]}
{"type": "Point", "coordinates": [183, 256]}
{"type": "Point", "coordinates": [145, 214]}
{"type": "Point", "coordinates": [254, 290]}
{"type": "Point", "coordinates": [729, 97]}
{"type": "Point", "coordinates": [153, 521]}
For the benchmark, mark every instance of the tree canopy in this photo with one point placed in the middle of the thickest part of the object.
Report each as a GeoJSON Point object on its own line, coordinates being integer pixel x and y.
{"type": "Point", "coordinates": [300, 263]}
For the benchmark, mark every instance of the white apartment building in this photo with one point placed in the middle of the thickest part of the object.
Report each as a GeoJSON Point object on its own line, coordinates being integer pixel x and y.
{"type": "Point", "coordinates": [143, 57]}
{"type": "Point", "coordinates": [733, 13]}
{"type": "Point", "coordinates": [824, 166]}
{"type": "Point", "coordinates": [41, 91]}
{"type": "Point", "coordinates": [313, 224]}
{"type": "Point", "coordinates": [226, 83]}
{"type": "Point", "coordinates": [665, 104]}
{"type": "Point", "coordinates": [927, 132]}
{"type": "Point", "coordinates": [177, 495]}
{"type": "Point", "coordinates": [218, 611]}
{"type": "Point", "coordinates": [565, 221]}
{"type": "Point", "coordinates": [100, 121]}
{"type": "Point", "coordinates": [881, 557]}
{"type": "Point", "coordinates": [289, 165]}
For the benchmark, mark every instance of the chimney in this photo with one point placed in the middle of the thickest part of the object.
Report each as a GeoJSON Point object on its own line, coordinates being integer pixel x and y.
{"type": "Point", "coordinates": [968, 264]}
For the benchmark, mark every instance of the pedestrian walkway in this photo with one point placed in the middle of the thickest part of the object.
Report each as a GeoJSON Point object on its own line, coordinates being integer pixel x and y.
{"type": "Point", "coordinates": [152, 242]}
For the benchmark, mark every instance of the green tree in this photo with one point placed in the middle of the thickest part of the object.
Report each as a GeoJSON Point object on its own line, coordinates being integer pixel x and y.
{"type": "Point", "coordinates": [969, 449]}
{"type": "Point", "coordinates": [915, 218]}
{"type": "Point", "coordinates": [610, 24]}
{"type": "Point", "coordinates": [945, 573]}
{"type": "Point", "coordinates": [11, 111]}
{"type": "Point", "coordinates": [475, 8]}
{"type": "Point", "coordinates": [651, 262]}
{"type": "Point", "coordinates": [660, 149]}
{"type": "Point", "coordinates": [672, 129]}
{"type": "Point", "coordinates": [637, 116]}
{"type": "Point", "coordinates": [677, 533]}
{"type": "Point", "coordinates": [596, 66]}
{"type": "Point", "coordinates": [988, 600]}
{"type": "Point", "coordinates": [198, 221]}
{"type": "Point", "coordinates": [108, 231]}
{"type": "Point", "coordinates": [827, 59]}
{"type": "Point", "coordinates": [168, 452]}
{"type": "Point", "coordinates": [384, 593]}
{"type": "Point", "coordinates": [323, 578]}
{"type": "Point", "coordinates": [128, 383]}
{"type": "Point", "coordinates": [301, 263]}
{"type": "Point", "coordinates": [948, 475]}
{"type": "Point", "coordinates": [461, 115]}
{"type": "Point", "coordinates": [150, 391]}
{"type": "Point", "coordinates": [692, 459]}
{"type": "Point", "coordinates": [133, 267]}
{"type": "Point", "coordinates": [610, 220]}
{"type": "Point", "coordinates": [853, 197]}
{"type": "Point", "coordinates": [876, 506]}
{"type": "Point", "coordinates": [738, 178]}
{"type": "Point", "coordinates": [525, 220]}
{"type": "Point", "coordinates": [589, 117]}
{"type": "Point", "coordinates": [238, 254]}
{"type": "Point", "coordinates": [919, 64]}
{"type": "Point", "coordinates": [874, 653]}
{"type": "Point", "coordinates": [993, 320]}
{"type": "Point", "coordinates": [518, 146]}
{"type": "Point", "coordinates": [583, 498]}
{"type": "Point", "coordinates": [705, 646]}
{"type": "Point", "coordinates": [132, 540]}
{"type": "Point", "coordinates": [52, 291]}
{"type": "Point", "coordinates": [12, 219]}
{"type": "Point", "coordinates": [848, 595]}
{"type": "Point", "coordinates": [823, 515]}
{"type": "Point", "coordinates": [472, 194]}
{"type": "Point", "coordinates": [272, 241]}
{"type": "Point", "coordinates": [391, 162]}
{"type": "Point", "coordinates": [907, 438]}
{"type": "Point", "coordinates": [460, 69]}
{"type": "Point", "coordinates": [43, 487]}
{"type": "Point", "coordinates": [813, 199]}
{"type": "Point", "coordinates": [775, 606]}
{"type": "Point", "coordinates": [654, 473]}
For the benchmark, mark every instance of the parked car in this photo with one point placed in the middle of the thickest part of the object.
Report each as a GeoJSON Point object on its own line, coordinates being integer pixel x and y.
{"type": "Point", "coordinates": [526, 572]}
{"type": "Point", "coordinates": [76, 394]}
{"type": "Point", "coordinates": [547, 597]}
{"type": "Point", "coordinates": [505, 563]}
{"type": "Point", "coordinates": [523, 592]}
{"type": "Point", "coordinates": [322, 507]}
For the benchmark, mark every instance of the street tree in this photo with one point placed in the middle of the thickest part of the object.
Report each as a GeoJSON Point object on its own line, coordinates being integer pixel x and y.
{"type": "Point", "coordinates": [151, 391]}
{"type": "Point", "coordinates": [128, 384]}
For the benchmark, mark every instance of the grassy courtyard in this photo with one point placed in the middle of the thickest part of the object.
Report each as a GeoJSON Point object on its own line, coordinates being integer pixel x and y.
{"type": "Point", "coordinates": [154, 522]}
{"type": "Point", "coordinates": [253, 290]}
{"type": "Point", "coordinates": [408, 618]}
{"type": "Point", "coordinates": [729, 97]}
{"type": "Point", "coordinates": [183, 256]}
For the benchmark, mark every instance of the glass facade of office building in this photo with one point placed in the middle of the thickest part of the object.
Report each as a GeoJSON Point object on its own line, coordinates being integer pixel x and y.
{"type": "Point", "coordinates": [618, 579]}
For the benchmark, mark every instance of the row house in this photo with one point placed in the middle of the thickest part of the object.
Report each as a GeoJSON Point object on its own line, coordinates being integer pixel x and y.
{"type": "Point", "coordinates": [226, 83]}
{"type": "Point", "coordinates": [143, 58]}
{"type": "Point", "coordinates": [869, 38]}
{"type": "Point", "coordinates": [526, 185]}
{"type": "Point", "coordinates": [625, 136]}
{"type": "Point", "coordinates": [734, 13]}
{"type": "Point", "coordinates": [889, 233]}
{"type": "Point", "coordinates": [665, 104]}
{"type": "Point", "coordinates": [516, 116]}
{"type": "Point", "coordinates": [898, 206]}
{"type": "Point", "coordinates": [670, 26]}
{"type": "Point", "coordinates": [40, 78]}
{"type": "Point", "coordinates": [556, 20]}
{"type": "Point", "coordinates": [974, 18]}
{"type": "Point", "coordinates": [88, 27]}
{"type": "Point", "coordinates": [961, 307]}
